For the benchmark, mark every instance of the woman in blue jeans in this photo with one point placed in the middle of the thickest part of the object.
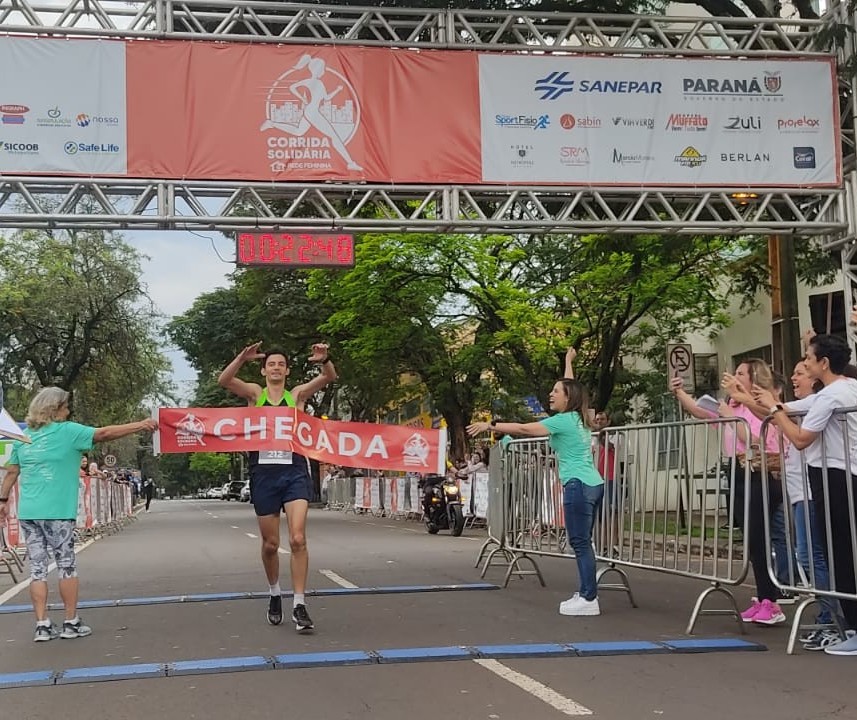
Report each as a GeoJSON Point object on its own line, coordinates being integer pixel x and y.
{"type": "Point", "coordinates": [583, 487]}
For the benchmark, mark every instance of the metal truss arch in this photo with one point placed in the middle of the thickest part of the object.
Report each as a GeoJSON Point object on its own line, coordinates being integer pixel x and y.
{"type": "Point", "coordinates": [30, 201]}
{"type": "Point", "coordinates": [163, 205]}
{"type": "Point", "coordinates": [309, 23]}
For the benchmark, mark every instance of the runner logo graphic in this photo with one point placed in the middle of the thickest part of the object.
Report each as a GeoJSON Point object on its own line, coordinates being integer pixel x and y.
{"type": "Point", "coordinates": [190, 431]}
{"type": "Point", "coordinates": [317, 112]}
{"type": "Point", "coordinates": [416, 450]}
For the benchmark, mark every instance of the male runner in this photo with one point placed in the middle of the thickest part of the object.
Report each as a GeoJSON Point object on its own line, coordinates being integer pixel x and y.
{"type": "Point", "coordinates": [280, 480]}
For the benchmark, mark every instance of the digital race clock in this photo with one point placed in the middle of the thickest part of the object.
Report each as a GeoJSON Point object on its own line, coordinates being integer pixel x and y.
{"type": "Point", "coordinates": [298, 248]}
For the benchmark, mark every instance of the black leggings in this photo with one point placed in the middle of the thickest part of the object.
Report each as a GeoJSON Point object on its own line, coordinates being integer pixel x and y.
{"type": "Point", "coordinates": [755, 531]}
{"type": "Point", "coordinates": [841, 564]}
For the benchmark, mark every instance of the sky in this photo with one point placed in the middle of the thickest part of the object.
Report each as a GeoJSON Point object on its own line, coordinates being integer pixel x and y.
{"type": "Point", "coordinates": [180, 267]}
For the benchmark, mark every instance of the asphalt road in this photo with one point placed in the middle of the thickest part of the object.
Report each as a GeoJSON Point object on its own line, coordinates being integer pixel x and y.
{"type": "Point", "coordinates": [210, 547]}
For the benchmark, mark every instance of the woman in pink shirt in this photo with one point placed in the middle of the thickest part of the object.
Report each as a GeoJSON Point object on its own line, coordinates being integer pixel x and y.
{"type": "Point", "coordinates": [764, 608]}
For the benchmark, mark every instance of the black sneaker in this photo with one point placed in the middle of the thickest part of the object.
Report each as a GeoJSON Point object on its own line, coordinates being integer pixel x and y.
{"type": "Point", "coordinates": [275, 610]}
{"type": "Point", "coordinates": [45, 633]}
{"type": "Point", "coordinates": [301, 619]}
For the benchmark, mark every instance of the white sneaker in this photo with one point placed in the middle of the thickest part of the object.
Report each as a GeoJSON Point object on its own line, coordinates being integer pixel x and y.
{"type": "Point", "coordinates": [578, 605]}
{"type": "Point", "coordinates": [571, 602]}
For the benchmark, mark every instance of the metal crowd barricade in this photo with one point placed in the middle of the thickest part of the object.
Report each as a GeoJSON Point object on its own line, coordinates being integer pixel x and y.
{"type": "Point", "coordinates": [496, 489]}
{"type": "Point", "coordinates": [10, 560]}
{"type": "Point", "coordinates": [668, 507]}
{"type": "Point", "coordinates": [812, 553]}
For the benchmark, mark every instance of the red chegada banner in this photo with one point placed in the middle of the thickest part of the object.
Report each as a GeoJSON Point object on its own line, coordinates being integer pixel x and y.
{"type": "Point", "coordinates": [352, 444]}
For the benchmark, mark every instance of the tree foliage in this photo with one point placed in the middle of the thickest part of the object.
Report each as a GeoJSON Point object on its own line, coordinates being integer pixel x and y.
{"type": "Point", "coordinates": [73, 313]}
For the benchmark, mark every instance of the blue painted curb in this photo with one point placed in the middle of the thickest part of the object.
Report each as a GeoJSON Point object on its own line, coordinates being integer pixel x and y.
{"type": "Point", "coordinates": [328, 659]}
{"type": "Point", "coordinates": [711, 645]}
{"type": "Point", "coordinates": [225, 596]}
{"type": "Point", "coordinates": [111, 672]}
{"type": "Point", "coordinates": [498, 652]}
{"type": "Point", "coordinates": [371, 657]}
{"type": "Point", "coordinates": [219, 665]}
{"type": "Point", "coordinates": [27, 679]}
{"type": "Point", "coordinates": [619, 647]}
{"type": "Point", "coordinates": [426, 654]}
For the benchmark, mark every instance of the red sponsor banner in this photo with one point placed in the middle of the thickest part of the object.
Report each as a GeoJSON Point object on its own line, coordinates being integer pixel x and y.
{"type": "Point", "coordinates": [87, 502]}
{"type": "Point", "coordinates": [292, 114]}
{"type": "Point", "coordinates": [352, 444]}
{"type": "Point", "coordinates": [13, 526]}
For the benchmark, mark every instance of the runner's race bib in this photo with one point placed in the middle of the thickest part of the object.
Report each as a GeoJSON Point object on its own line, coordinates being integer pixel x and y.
{"type": "Point", "coordinates": [275, 457]}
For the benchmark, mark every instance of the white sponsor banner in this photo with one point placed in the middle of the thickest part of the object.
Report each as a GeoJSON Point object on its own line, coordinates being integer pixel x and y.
{"type": "Point", "coordinates": [655, 121]}
{"type": "Point", "coordinates": [480, 494]}
{"type": "Point", "coordinates": [63, 108]}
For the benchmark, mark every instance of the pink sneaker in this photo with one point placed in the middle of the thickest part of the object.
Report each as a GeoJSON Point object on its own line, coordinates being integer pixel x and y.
{"type": "Point", "coordinates": [750, 613]}
{"type": "Point", "coordinates": [769, 614]}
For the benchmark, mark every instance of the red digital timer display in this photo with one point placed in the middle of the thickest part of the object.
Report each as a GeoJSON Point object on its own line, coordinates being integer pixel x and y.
{"type": "Point", "coordinates": [294, 249]}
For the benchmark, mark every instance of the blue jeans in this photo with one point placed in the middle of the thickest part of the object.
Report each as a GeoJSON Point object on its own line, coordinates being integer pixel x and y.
{"type": "Point", "coordinates": [582, 504]}
{"type": "Point", "coordinates": [778, 544]}
{"type": "Point", "coordinates": [819, 559]}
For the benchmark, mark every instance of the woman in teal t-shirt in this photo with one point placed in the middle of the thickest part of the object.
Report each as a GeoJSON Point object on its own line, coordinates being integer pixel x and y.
{"type": "Point", "coordinates": [48, 466]}
{"type": "Point", "coordinates": [583, 487]}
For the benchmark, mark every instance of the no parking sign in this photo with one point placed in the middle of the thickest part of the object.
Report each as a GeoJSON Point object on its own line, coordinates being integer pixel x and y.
{"type": "Point", "coordinates": [680, 364]}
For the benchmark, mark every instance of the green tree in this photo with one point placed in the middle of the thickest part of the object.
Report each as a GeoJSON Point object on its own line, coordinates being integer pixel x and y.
{"type": "Point", "coordinates": [484, 321]}
{"type": "Point", "coordinates": [209, 468]}
{"type": "Point", "coordinates": [73, 313]}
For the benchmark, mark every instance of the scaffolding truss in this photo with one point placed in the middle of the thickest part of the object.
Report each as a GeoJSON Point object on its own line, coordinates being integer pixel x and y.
{"type": "Point", "coordinates": [39, 202]}
{"type": "Point", "coordinates": [30, 201]}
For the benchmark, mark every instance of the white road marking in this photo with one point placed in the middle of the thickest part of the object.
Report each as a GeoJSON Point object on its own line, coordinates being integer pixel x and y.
{"type": "Point", "coordinates": [251, 535]}
{"type": "Point", "coordinates": [216, 517]}
{"type": "Point", "coordinates": [338, 579]}
{"type": "Point", "coordinates": [235, 527]}
{"type": "Point", "coordinates": [12, 592]}
{"type": "Point", "coordinates": [283, 551]}
{"type": "Point", "coordinates": [547, 695]}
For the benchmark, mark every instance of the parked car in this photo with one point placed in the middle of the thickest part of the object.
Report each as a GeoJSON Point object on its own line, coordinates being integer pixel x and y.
{"type": "Point", "coordinates": [232, 490]}
{"type": "Point", "coordinates": [245, 492]}
{"type": "Point", "coordinates": [215, 493]}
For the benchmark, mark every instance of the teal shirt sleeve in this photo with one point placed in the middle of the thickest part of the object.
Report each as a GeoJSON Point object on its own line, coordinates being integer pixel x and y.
{"type": "Point", "coordinates": [80, 437]}
{"type": "Point", "coordinates": [554, 423]}
{"type": "Point", "coordinates": [13, 458]}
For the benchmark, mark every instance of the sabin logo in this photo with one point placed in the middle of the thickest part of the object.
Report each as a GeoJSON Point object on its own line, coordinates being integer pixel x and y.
{"type": "Point", "coordinates": [315, 108]}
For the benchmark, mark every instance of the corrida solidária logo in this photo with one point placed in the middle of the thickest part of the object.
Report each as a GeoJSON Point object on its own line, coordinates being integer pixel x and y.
{"type": "Point", "coordinates": [315, 112]}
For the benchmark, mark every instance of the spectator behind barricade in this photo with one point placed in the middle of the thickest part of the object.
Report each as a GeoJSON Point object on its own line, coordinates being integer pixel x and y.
{"type": "Point", "coordinates": [84, 467]}
{"type": "Point", "coordinates": [764, 608]}
{"type": "Point", "coordinates": [48, 500]}
{"type": "Point", "coordinates": [831, 457]}
{"type": "Point", "coordinates": [474, 464]}
{"type": "Point", "coordinates": [809, 534]}
{"type": "Point", "coordinates": [583, 488]}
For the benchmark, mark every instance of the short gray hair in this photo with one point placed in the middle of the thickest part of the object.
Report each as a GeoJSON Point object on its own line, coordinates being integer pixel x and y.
{"type": "Point", "coordinates": [45, 407]}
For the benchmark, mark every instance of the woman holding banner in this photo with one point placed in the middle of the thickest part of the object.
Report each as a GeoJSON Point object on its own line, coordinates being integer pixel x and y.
{"type": "Point", "coordinates": [583, 488]}
{"type": "Point", "coordinates": [46, 466]}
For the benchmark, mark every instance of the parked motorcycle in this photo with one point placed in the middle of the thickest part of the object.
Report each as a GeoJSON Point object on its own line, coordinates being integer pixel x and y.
{"type": "Point", "coordinates": [442, 509]}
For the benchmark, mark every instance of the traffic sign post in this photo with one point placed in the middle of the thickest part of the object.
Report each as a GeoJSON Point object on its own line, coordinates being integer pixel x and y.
{"type": "Point", "coordinates": [680, 364]}
{"type": "Point", "coordinates": [110, 460]}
